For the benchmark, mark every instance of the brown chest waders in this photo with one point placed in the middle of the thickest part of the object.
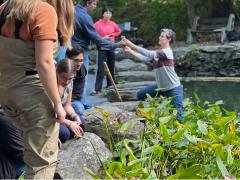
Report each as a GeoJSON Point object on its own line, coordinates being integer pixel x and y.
{"type": "Point", "coordinates": [25, 101]}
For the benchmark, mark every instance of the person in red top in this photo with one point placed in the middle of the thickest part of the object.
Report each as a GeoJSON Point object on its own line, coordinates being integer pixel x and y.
{"type": "Point", "coordinates": [109, 30]}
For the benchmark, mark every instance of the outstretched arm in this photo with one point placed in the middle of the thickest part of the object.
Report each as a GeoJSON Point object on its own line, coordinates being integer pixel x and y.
{"type": "Point", "coordinates": [136, 54]}
{"type": "Point", "coordinates": [147, 53]}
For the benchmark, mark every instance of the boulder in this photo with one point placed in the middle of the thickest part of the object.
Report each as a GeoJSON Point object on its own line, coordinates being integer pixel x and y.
{"type": "Point", "coordinates": [128, 64]}
{"type": "Point", "coordinates": [79, 153]}
{"type": "Point", "coordinates": [135, 76]}
{"type": "Point", "coordinates": [128, 91]}
{"type": "Point", "coordinates": [97, 122]}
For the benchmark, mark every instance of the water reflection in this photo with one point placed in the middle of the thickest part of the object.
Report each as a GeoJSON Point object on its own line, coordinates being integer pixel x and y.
{"type": "Point", "coordinates": [229, 92]}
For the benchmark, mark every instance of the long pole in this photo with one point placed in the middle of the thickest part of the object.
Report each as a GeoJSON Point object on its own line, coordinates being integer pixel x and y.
{"type": "Point", "coordinates": [112, 81]}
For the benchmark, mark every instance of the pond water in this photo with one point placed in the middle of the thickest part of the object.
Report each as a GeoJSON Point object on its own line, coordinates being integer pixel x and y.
{"type": "Point", "coordinates": [213, 91]}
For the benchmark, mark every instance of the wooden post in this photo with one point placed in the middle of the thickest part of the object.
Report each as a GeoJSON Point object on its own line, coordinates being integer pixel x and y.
{"type": "Point", "coordinates": [112, 81]}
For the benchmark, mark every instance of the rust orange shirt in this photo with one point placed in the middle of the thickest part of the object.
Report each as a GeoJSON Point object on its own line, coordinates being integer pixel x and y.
{"type": "Point", "coordinates": [41, 26]}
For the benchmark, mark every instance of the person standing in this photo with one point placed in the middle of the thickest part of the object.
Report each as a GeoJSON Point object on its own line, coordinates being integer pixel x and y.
{"type": "Point", "coordinates": [84, 32]}
{"type": "Point", "coordinates": [163, 63]}
{"type": "Point", "coordinates": [28, 32]}
{"type": "Point", "coordinates": [108, 30]}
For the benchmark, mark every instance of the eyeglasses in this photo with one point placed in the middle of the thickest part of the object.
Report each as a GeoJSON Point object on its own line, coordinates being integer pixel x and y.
{"type": "Point", "coordinates": [78, 60]}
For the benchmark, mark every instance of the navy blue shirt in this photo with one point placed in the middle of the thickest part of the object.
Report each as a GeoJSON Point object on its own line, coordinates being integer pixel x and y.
{"type": "Point", "coordinates": [84, 31]}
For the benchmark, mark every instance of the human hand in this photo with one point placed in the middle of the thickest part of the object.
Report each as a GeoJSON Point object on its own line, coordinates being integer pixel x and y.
{"type": "Point", "coordinates": [75, 128]}
{"type": "Point", "coordinates": [126, 42]}
{"type": "Point", "coordinates": [108, 37]}
{"type": "Point", "coordinates": [127, 49]}
{"type": "Point", "coordinates": [60, 113]}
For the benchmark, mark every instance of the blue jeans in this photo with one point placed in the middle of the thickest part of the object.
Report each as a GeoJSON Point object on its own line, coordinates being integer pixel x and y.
{"type": "Point", "coordinates": [86, 64]}
{"type": "Point", "coordinates": [176, 92]}
{"type": "Point", "coordinates": [78, 106]}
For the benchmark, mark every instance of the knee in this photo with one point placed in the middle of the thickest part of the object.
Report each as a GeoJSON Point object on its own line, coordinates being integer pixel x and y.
{"type": "Point", "coordinates": [64, 133]}
{"type": "Point", "coordinates": [141, 96]}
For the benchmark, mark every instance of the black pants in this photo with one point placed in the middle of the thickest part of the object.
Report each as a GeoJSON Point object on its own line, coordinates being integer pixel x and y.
{"type": "Point", "coordinates": [11, 149]}
{"type": "Point", "coordinates": [109, 57]}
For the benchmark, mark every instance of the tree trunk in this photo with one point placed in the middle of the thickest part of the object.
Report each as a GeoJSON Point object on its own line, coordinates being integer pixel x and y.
{"type": "Point", "coordinates": [191, 11]}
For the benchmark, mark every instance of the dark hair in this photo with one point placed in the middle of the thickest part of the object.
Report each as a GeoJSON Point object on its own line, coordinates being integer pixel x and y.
{"type": "Point", "coordinates": [66, 66]}
{"type": "Point", "coordinates": [75, 51]}
{"type": "Point", "coordinates": [85, 2]}
{"type": "Point", "coordinates": [107, 8]}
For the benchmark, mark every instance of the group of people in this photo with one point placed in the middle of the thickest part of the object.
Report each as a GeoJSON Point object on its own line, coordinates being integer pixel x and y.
{"type": "Point", "coordinates": [45, 99]}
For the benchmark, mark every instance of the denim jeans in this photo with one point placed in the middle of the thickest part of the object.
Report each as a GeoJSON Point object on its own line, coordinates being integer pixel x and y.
{"type": "Point", "coordinates": [78, 106]}
{"type": "Point", "coordinates": [176, 92]}
{"type": "Point", "coordinates": [86, 64]}
{"type": "Point", "coordinates": [61, 54]}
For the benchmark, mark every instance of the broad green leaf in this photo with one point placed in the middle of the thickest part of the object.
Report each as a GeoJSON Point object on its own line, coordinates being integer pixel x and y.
{"type": "Point", "coordinates": [229, 137]}
{"type": "Point", "coordinates": [129, 150]}
{"type": "Point", "coordinates": [127, 126]}
{"type": "Point", "coordinates": [134, 173]}
{"type": "Point", "coordinates": [137, 161]}
{"type": "Point", "coordinates": [89, 171]}
{"type": "Point", "coordinates": [189, 173]}
{"type": "Point", "coordinates": [229, 156]}
{"type": "Point", "coordinates": [123, 157]}
{"type": "Point", "coordinates": [202, 127]}
{"type": "Point", "coordinates": [221, 166]}
{"type": "Point", "coordinates": [178, 134]}
{"type": "Point", "coordinates": [147, 150]}
{"type": "Point", "coordinates": [164, 132]}
{"type": "Point", "coordinates": [114, 166]}
{"type": "Point", "coordinates": [158, 150]}
{"type": "Point", "coordinates": [220, 102]}
{"type": "Point", "coordinates": [213, 136]}
{"type": "Point", "coordinates": [165, 119]}
{"type": "Point", "coordinates": [191, 139]}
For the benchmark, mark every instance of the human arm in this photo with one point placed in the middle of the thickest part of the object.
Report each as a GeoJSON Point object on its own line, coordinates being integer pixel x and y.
{"type": "Point", "coordinates": [47, 73]}
{"type": "Point", "coordinates": [117, 30]}
{"type": "Point", "coordinates": [136, 54]}
{"type": "Point", "coordinates": [147, 53]}
{"type": "Point", "coordinates": [93, 35]}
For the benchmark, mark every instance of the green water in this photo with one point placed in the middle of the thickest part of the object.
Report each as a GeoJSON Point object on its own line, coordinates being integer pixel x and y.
{"type": "Point", "coordinates": [229, 92]}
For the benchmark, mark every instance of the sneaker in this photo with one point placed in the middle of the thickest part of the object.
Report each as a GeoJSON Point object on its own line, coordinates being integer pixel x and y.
{"type": "Point", "coordinates": [93, 93]}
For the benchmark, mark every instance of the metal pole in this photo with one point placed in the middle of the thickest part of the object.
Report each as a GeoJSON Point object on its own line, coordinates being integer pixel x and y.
{"type": "Point", "coordinates": [112, 81]}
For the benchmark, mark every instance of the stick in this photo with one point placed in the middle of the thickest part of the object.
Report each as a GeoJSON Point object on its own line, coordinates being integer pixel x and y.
{"type": "Point", "coordinates": [112, 81]}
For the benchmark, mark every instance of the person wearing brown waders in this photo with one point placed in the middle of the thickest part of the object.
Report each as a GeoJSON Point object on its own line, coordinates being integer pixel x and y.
{"type": "Point", "coordinates": [28, 85]}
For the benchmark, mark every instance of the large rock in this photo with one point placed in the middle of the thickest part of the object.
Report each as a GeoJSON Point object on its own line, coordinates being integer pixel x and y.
{"type": "Point", "coordinates": [135, 76]}
{"type": "Point", "coordinates": [128, 91]}
{"type": "Point", "coordinates": [128, 64]}
{"type": "Point", "coordinates": [79, 153]}
{"type": "Point", "coordinates": [96, 122]}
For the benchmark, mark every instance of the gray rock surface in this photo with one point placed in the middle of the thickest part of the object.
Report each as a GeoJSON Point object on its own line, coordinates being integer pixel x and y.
{"type": "Point", "coordinates": [128, 91]}
{"type": "Point", "coordinates": [128, 64]}
{"type": "Point", "coordinates": [79, 153]}
{"type": "Point", "coordinates": [135, 76]}
{"type": "Point", "coordinates": [96, 122]}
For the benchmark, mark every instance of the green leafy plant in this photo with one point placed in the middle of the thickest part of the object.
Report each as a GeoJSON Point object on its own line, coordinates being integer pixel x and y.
{"type": "Point", "coordinates": [206, 144]}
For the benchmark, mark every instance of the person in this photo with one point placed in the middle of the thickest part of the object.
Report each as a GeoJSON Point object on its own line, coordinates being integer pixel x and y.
{"type": "Point", "coordinates": [29, 28]}
{"type": "Point", "coordinates": [66, 70]}
{"type": "Point", "coordinates": [84, 32]}
{"type": "Point", "coordinates": [76, 54]}
{"type": "Point", "coordinates": [11, 150]}
{"type": "Point", "coordinates": [109, 30]}
{"type": "Point", "coordinates": [163, 63]}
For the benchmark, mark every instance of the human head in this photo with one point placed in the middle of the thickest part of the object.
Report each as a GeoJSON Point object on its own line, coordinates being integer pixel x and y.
{"type": "Point", "coordinates": [65, 13]}
{"type": "Point", "coordinates": [65, 72]}
{"type": "Point", "coordinates": [170, 34]}
{"type": "Point", "coordinates": [76, 54]}
{"type": "Point", "coordinates": [107, 13]}
{"type": "Point", "coordinates": [89, 4]}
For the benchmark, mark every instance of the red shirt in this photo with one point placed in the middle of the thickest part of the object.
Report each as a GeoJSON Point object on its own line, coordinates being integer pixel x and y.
{"type": "Point", "coordinates": [106, 28]}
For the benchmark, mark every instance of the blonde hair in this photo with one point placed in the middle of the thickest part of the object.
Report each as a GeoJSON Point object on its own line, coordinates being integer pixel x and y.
{"type": "Point", "coordinates": [21, 9]}
{"type": "Point", "coordinates": [65, 13]}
